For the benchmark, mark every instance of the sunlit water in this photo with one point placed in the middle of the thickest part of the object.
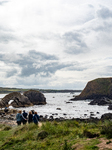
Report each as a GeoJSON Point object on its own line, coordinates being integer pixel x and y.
{"type": "Point", "coordinates": [75, 109]}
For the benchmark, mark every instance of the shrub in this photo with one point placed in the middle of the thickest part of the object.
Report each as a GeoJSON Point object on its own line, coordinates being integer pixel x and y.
{"type": "Point", "coordinates": [89, 134]}
{"type": "Point", "coordinates": [107, 130]}
{"type": "Point", "coordinates": [66, 146]}
{"type": "Point", "coordinates": [42, 134]}
{"type": "Point", "coordinates": [6, 128]}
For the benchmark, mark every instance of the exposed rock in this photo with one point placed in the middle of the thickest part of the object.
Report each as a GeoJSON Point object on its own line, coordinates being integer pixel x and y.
{"type": "Point", "coordinates": [19, 100]}
{"type": "Point", "coordinates": [35, 97]}
{"type": "Point", "coordinates": [110, 107]}
{"type": "Point", "coordinates": [29, 98]}
{"type": "Point", "coordinates": [64, 114]}
{"type": "Point", "coordinates": [51, 118]}
{"type": "Point", "coordinates": [68, 102]}
{"type": "Point", "coordinates": [101, 101]}
{"type": "Point", "coordinates": [106, 116]}
{"type": "Point", "coordinates": [58, 108]}
{"type": "Point", "coordinates": [101, 87]}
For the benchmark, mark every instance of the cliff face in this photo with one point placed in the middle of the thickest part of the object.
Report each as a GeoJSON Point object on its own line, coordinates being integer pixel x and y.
{"type": "Point", "coordinates": [29, 98]}
{"type": "Point", "coordinates": [96, 89]}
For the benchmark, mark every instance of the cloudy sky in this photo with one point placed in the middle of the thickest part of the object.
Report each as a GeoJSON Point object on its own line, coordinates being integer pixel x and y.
{"type": "Point", "coordinates": [59, 44]}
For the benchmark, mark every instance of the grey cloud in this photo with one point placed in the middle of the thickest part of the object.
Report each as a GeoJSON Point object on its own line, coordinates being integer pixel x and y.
{"type": "Point", "coordinates": [37, 63]}
{"type": "Point", "coordinates": [41, 55]}
{"type": "Point", "coordinates": [2, 2]}
{"type": "Point", "coordinates": [70, 36]}
{"type": "Point", "coordinates": [6, 38]}
{"type": "Point", "coordinates": [104, 27]}
{"type": "Point", "coordinates": [74, 43]}
{"type": "Point", "coordinates": [11, 73]}
{"type": "Point", "coordinates": [76, 67]}
{"type": "Point", "coordinates": [104, 13]}
{"type": "Point", "coordinates": [43, 70]}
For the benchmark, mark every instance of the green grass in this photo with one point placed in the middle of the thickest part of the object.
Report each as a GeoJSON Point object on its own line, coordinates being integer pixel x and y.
{"type": "Point", "coordinates": [66, 135]}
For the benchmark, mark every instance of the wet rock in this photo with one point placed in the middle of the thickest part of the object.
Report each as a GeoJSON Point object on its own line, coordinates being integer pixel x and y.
{"type": "Point", "coordinates": [92, 115]}
{"type": "Point", "coordinates": [110, 107]}
{"type": "Point", "coordinates": [68, 102]}
{"type": "Point", "coordinates": [97, 112]}
{"type": "Point", "coordinates": [46, 116]}
{"type": "Point", "coordinates": [51, 117]}
{"type": "Point", "coordinates": [61, 118]}
{"type": "Point", "coordinates": [64, 114]}
{"type": "Point", "coordinates": [106, 116]}
{"type": "Point", "coordinates": [58, 108]}
{"type": "Point", "coordinates": [101, 101]}
{"type": "Point", "coordinates": [56, 114]}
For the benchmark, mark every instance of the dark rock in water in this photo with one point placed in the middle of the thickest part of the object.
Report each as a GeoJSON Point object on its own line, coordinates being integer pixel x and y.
{"type": "Point", "coordinates": [106, 116]}
{"type": "Point", "coordinates": [101, 87]}
{"type": "Point", "coordinates": [101, 101]}
{"type": "Point", "coordinates": [58, 108]}
{"type": "Point", "coordinates": [85, 114]}
{"type": "Point", "coordinates": [64, 114]}
{"type": "Point", "coordinates": [97, 112]}
{"type": "Point", "coordinates": [46, 116]}
{"type": "Point", "coordinates": [51, 117]}
{"type": "Point", "coordinates": [110, 107]}
{"type": "Point", "coordinates": [92, 115]}
{"type": "Point", "coordinates": [56, 114]}
{"type": "Point", "coordinates": [35, 97]}
{"type": "Point", "coordinates": [91, 112]}
{"type": "Point", "coordinates": [68, 102]}
{"type": "Point", "coordinates": [29, 98]}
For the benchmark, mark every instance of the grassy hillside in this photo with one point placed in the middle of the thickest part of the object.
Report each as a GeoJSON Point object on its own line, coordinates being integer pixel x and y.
{"type": "Point", "coordinates": [66, 135]}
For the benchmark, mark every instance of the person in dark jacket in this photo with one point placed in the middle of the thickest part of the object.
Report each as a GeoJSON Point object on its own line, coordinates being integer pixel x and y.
{"type": "Point", "coordinates": [36, 118]}
{"type": "Point", "coordinates": [19, 117]}
{"type": "Point", "coordinates": [24, 117]}
{"type": "Point", "coordinates": [30, 117]}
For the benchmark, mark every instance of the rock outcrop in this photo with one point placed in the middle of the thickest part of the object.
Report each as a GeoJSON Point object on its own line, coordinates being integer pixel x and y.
{"type": "Point", "coordinates": [110, 107]}
{"type": "Point", "coordinates": [29, 98]}
{"type": "Point", "coordinates": [35, 97]}
{"type": "Point", "coordinates": [101, 87]}
{"type": "Point", "coordinates": [101, 101]}
{"type": "Point", "coordinates": [106, 116]}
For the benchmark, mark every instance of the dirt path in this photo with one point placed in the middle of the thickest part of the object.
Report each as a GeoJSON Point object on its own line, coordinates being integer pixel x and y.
{"type": "Point", "coordinates": [105, 144]}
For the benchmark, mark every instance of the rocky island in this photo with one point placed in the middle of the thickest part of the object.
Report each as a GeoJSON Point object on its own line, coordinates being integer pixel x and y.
{"type": "Point", "coordinates": [28, 98]}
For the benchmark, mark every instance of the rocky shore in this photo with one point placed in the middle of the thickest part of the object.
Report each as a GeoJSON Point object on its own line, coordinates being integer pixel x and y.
{"type": "Point", "coordinates": [9, 118]}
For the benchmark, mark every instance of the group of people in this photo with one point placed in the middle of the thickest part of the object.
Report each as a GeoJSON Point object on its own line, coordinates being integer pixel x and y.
{"type": "Point", "coordinates": [25, 117]}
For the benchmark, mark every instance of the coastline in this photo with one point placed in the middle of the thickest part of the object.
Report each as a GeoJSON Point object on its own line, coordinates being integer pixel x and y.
{"type": "Point", "coordinates": [9, 118]}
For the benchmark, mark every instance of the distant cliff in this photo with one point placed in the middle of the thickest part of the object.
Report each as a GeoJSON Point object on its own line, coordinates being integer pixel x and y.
{"type": "Point", "coordinates": [96, 89]}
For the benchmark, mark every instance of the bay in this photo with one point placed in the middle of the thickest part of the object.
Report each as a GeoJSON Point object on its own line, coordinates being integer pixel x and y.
{"type": "Point", "coordinates": [58, 105]}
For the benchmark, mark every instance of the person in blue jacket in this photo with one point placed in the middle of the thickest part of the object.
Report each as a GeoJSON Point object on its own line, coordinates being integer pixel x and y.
{"type": "Point", "coordinates": [19, 117]}
{"type": "Point", "coordinates": [36, 118]}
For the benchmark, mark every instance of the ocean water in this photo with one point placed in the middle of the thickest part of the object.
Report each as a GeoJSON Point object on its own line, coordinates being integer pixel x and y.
{"type": "Point", "coordinates": [58, 106]}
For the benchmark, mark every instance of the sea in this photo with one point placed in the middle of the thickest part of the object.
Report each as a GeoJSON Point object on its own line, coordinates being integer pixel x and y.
{"type": "Point", "coordinates": [59, 105]}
